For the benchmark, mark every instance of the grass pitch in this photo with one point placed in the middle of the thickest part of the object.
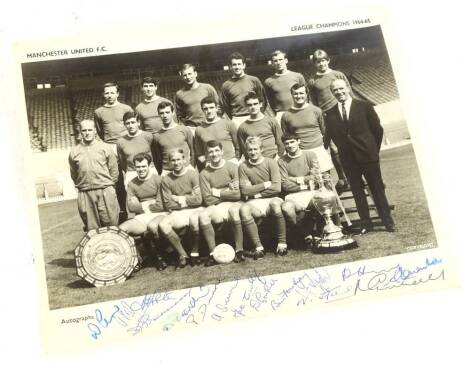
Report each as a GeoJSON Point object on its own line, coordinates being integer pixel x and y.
{"type": "Point", "coordinates": [61, 229]}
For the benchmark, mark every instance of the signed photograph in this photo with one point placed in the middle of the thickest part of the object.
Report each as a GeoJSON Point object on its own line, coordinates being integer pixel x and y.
{"type": "Point", "coordinates": [212, 179]}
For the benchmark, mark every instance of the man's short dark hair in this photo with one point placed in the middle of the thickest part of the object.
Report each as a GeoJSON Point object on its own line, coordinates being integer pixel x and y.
{"type": "Point", "coordinates": [298, 86]}
{"type": "Point", "coordinates": [213, 143]}
{"type": "Point", "coordinates": [251, 95]}
{"type": "Point", "coordinates": [165, 104]}
{"type": "Point", "coordinates": [236, 56]}
{"type": "Point", "coordinates": [150, 80]}
{"type": "Point", "coordinates": [289, 136]}
{"type": "Point", "coordinates": [142, 156]}
{"type": "Point", "coordinates": [208, 100]}
{"type": "Point", "coordinates": [129, 115]}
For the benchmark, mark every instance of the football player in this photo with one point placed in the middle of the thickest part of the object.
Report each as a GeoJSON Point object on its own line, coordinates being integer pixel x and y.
{"type": "Point", "coordinates": [110, 127]}
{"type": "Point", "coordinates": [182, 197]}
{"type": "Point", "coordinates": [147, 113]}
{"type": "Point", "coordinates": [299, 170]}
{"type": "Point", "coordinates": [188, 99]}
{"type": "Point", "coordinates": [134, 142]}
{"type": "Point", "coordinates": [218, 129]}
{"type": "Point", "coordinates": [263, 126]}
{"type": "Point", "coordinates": [221, 194]}
{"type": "Point", "coordinates": [322, 97]}
{"type": "Point", "coordinates": [305, 121]}
{"type": "Point", "coordinates": [278, 85]}
{"type": "Point", "coordinates": [233, 90]}
{"type": "Point", "coordinates": [171, 136]}
{"type": "Point", "coordinates": [260, 185]}
{"type": "Point", "coordinates": [145, 201]}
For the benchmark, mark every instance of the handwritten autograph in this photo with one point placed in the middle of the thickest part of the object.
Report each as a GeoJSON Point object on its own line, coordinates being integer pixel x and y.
{"type": "Point", "coordinates": [246, 297]}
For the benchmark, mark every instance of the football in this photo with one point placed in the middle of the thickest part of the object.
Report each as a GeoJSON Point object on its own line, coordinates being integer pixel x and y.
{"type": "Point", "coordinates": [223, 253]}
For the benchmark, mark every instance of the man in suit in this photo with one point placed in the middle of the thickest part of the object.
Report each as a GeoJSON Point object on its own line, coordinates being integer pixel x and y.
{"type": "Point", "coordinates": [355, 128]}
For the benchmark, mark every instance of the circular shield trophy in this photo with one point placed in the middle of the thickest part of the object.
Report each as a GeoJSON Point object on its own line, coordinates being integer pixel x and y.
{"type": "Point", "coordinates": [106, 256]}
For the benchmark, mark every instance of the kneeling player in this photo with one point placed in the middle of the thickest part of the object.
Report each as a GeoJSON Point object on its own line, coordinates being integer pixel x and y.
{"type": "Point", "coordinates": [221, 194]}
{"type": "Point", "coordinates": [144, 199]}
{"type": "Point", "coordinates": [298, 169]}
{"type": "Point", "coordinates": [260, 183]}
{"type": "Point", "coordinates": [182, 196]}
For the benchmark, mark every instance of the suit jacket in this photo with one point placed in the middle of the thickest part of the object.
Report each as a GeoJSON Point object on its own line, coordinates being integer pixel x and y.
{"type": "Point", "coordinates": [360, 138]}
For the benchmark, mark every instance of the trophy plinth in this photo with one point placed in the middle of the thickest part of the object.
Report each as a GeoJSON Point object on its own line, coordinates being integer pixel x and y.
{"type": "Point", "coordinates": [333, 239]}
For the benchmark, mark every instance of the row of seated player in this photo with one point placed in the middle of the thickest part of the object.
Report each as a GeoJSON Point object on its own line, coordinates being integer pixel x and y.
{"type": "Point", "coordinates": [225, 193]}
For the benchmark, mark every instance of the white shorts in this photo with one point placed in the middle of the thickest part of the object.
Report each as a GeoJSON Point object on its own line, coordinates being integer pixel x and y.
{"type": "Point", "coordinates": [279, 116]}
{"type": "Point", "coordinates": [262, 204]}
{"type": "Point", "coordinates": [323, 157]}
{"type": "Point", "coordinates": [180, 218]}
{"type": "Point", "coordinates": [145, 218]}
{"type": "Point", "coordinates": [239, 120]}
{"type": "Point", "coordinates": [302, 198]}
{"type": "Point", "coordinates": [131, 174]}
{"type": "Point", "coordinates": [221, 209]}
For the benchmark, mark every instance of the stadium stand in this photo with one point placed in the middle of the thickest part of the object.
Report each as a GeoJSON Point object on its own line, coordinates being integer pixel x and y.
{"type": "Point", "coordinates": [50, 119]}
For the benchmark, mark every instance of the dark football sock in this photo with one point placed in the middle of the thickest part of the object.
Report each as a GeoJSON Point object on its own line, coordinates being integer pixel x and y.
{"type": "Point", "coordinates": [209, 236]}
{"type": "Point", "coordinates": [175, 242]}
{"type": "Point", "coordinates": [251, 231]}
{"type": "Point", "coordinates": [237, 232]}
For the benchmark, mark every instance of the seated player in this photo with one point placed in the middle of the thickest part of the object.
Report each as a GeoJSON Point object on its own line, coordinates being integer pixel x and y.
{"type": "Point", "coordinates": [299, 169]}
{"type": "Point", "coordinates": [258, 124]}
{"type": "Point", "coordinates": [182, 197]}
{"type": "Point", "coordinates": [221, 194]}
{"type": "Point", "coordinates": [218, 129]}
{"type": "Point", "coordinates": [144, 200]}
{"type": "Point", "coordinates": [260, 184]}
{"type": "Point", "coordinates": [171, 136]}
{"type": "Point", "coordinates": [134, 142]}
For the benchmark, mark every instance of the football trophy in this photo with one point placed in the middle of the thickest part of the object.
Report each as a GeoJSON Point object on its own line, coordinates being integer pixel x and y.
{"type": "Point", "coordinates": [326, 202]}
{"type": "Point", "coordinates": [106, 256]}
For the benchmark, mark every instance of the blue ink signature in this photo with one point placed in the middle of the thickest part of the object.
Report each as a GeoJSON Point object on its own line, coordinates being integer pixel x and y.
{"type": "Point", "coordinates": [102, 322]}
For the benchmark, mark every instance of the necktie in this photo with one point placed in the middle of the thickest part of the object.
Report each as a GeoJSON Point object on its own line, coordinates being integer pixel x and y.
{"type": "Point", "coordinates": [343, 112]}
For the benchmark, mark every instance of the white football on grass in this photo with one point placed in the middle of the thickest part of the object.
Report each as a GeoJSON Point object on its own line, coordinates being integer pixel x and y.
{"type": "Point", "coordinates": [223, 253]}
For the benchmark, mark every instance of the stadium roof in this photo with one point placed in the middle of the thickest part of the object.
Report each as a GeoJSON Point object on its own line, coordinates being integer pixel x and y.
{"type": "Point", "coordinates": [214, 55]}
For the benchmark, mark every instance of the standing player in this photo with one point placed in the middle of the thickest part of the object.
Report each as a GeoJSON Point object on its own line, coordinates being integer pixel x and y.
{"type": "Point", "coordinates": [144, 200]}
{"type": "Point", "coordinates": [94, 171]}
{"type": "Point", "coordinates": [188, 99]}
{"type": "Point", "coordinates": [147, 113]}
{"type": "Point", "coordinates": [108, 118]}
{"type": "Point", "coordinates": [298, 168]}
{"type": "Point", "coordinates": [134, 142]}
{"type": "Point", "coordinates": [278, 85]}
{"type": "Point", "coordinates": [218, 129]}
{"type": "Point", "coordinates": [182, 197]}
{"type": "Point", "coordinates": [260, 184]}
{"type": "Point", "coordinates": [221, 194]}
{"type": "Point", "coordinates": [265, 127]}
{"type": "Point", "coordinates": [170, 137]}
{"type": "Point", "coordinates": [110, 127]}
{"type": "Point", "coordinates": [305, 121]}
{"type": "Point", "coordinates": [320, 93]}
{"type": "Point", "coordinates": [233, 90]}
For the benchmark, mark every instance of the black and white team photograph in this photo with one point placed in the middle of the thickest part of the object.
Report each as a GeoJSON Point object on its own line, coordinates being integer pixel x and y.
{"type": "Point", "coordinates": [175, 168]}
